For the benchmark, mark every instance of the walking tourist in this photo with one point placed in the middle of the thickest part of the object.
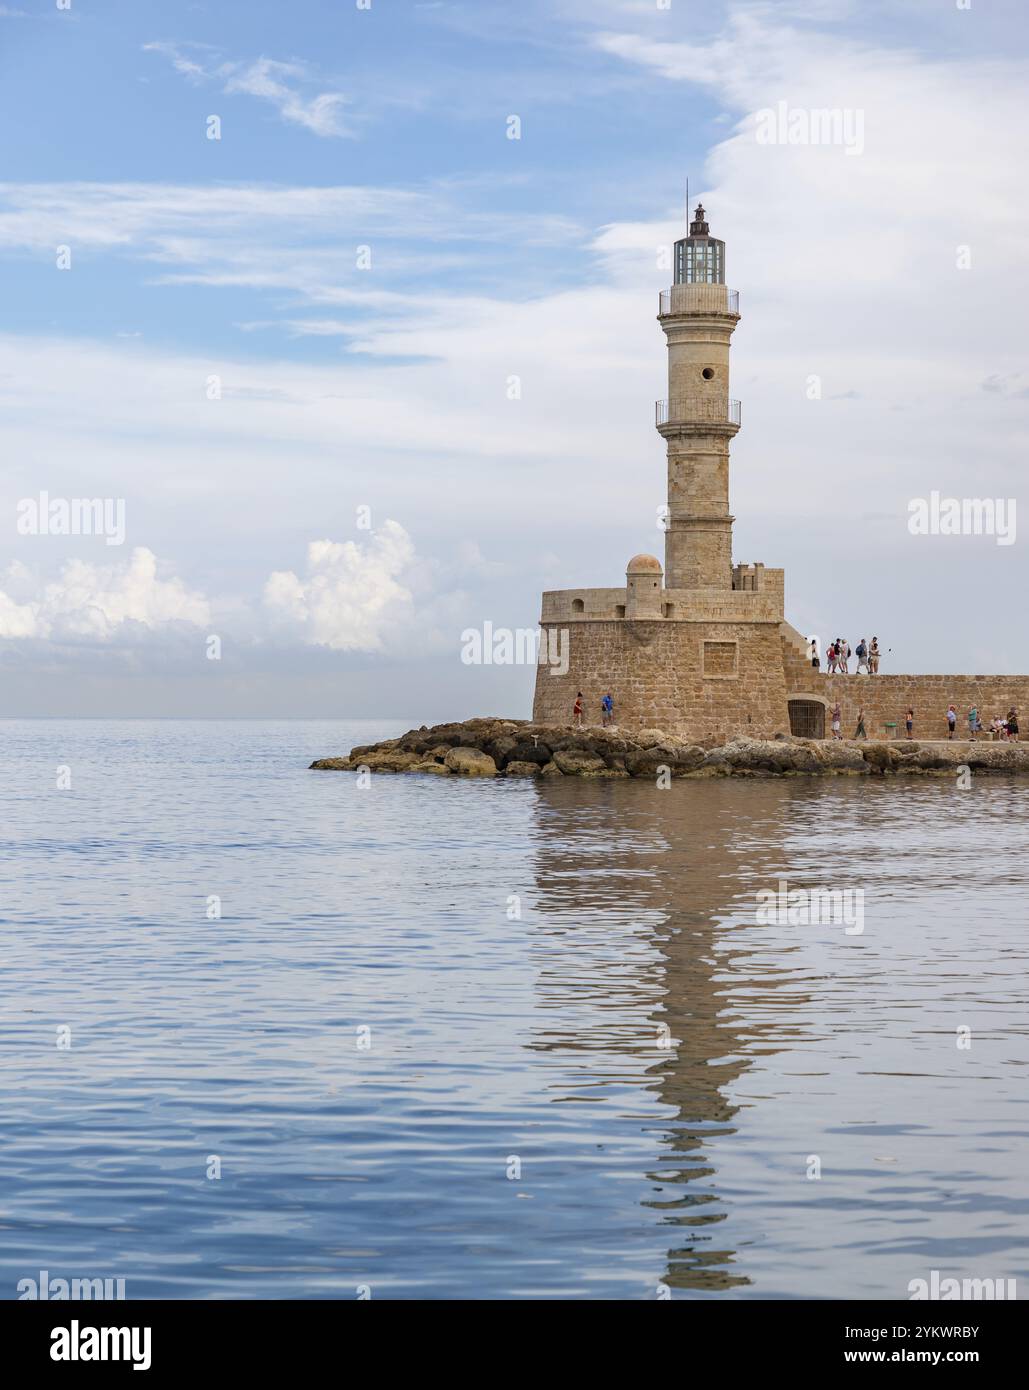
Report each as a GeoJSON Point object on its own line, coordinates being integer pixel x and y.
{"type": "Point", "coordinates": [1013, 723]}
{"type": "Point", "coordinates": [862, 657]}
{"type": "Point", "coordinates": [973, 722]}
{"type": "Point", "coordinates": [909, 721]}
{"type": "Point", "coordinates": [836, 720]}
{"type": "Point", "coordinates": [812, 651]}
{"type": "Point", "coordinates": [859, 732]}
{"type": "Point", "coordinates": [952, 719]}
{"type": "Point", "coordinates": [577, 710]}
{"type": "Point", "coordinates": [607, 709]}
{"type": "Point", "coordinates": [843, 653]}
{"type": "Point", "coordinates": [873, 657]}
{"type": "Point", "coordinates": [830, 658]}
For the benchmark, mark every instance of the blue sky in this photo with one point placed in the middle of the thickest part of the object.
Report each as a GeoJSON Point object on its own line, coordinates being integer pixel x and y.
{"type": "Point", "coordinates": [386, 386]}
{"type": "Point", "coordinates": [424, 93]}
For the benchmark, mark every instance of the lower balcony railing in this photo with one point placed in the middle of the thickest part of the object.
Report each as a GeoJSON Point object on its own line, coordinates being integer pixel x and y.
{"type": "Point", "coordinates": [697, 413]}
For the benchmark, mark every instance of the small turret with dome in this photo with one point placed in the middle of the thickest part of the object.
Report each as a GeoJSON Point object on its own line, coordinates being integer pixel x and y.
{"type": "Point", "coordinates": [643, 587]}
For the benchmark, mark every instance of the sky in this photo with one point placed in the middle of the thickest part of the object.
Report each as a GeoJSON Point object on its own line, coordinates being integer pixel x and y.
{"type": "Point", "coordinates": [346, 311]}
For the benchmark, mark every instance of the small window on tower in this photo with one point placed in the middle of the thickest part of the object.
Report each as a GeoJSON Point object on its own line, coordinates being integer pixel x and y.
{"type": "Point", "coordinates": [708, 373]}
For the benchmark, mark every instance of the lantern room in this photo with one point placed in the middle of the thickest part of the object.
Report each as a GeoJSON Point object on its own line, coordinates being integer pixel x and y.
{"type": "Point", "coordinates": [699, 257]}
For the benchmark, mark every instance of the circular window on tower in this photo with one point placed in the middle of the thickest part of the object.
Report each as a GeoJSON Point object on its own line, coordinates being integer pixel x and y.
{"type": "Point", "coordinates": [708, 373]}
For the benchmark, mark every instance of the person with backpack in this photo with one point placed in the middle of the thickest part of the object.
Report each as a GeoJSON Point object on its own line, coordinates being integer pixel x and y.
{"type": "Point", "coordinates": [830, 658]}
{"type": "Point", "coordinates": [862, 657]}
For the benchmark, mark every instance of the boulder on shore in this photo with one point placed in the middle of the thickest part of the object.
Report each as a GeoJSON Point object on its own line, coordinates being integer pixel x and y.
{"type": "Point", "coordinates": [470, 762]}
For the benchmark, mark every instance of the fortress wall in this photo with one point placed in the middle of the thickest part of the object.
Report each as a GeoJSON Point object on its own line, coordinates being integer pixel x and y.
{"type": "Point", "coordinates": [675, 676]}
{"type": "Point", "coordinates": [763, 605]}
{"type": "Point", "coordinates": [886, 697]}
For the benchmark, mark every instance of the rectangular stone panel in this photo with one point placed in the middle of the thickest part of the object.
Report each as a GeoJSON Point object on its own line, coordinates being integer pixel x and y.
{"type": "Point", "coordinates": [720, 659]}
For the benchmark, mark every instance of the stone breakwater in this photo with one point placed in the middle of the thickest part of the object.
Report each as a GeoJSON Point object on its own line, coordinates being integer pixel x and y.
{"type": "Point", "coordinates": [519, 748]}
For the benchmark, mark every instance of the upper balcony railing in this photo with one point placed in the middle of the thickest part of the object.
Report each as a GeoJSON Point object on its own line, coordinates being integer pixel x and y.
{"type": "Point", "coordinates": [697, 412]}
{"type": "Point", "coordinates": [687, 297]}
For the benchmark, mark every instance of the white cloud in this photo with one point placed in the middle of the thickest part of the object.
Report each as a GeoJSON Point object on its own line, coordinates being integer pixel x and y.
{"type": "Point", "coordinates": [350, 595]}
{"type": "Point", "coordinates": [321, 114]}
{"type": "Point", "coordinates": [180, 61]}
{"type": "Point", "coordinates": [93, 602]}
{"type": "Point", "coordinates": [280, 84]}
{"type": "Point", "coordinates": [273, 237]}
{"type": "Point", "coordinates": [153, 219]}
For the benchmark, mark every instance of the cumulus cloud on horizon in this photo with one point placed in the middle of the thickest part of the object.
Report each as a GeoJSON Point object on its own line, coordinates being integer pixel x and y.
{"type": "Point", "coordinates": [349, 593]}
{"type": "Point", "coordinates": [350, 598]}
{"type": "Point", "coordinates": [92, 602]}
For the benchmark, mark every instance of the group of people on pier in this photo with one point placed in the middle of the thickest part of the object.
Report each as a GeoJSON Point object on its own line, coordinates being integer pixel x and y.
{"type": "Point", "coordinates": [838, 654]}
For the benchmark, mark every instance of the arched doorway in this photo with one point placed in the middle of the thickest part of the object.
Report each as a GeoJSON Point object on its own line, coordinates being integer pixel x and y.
{"type": "Point", "coordinates": [807, 718]}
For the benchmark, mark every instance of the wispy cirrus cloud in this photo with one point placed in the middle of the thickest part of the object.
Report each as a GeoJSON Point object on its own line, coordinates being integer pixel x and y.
{"type": "Point", "coordinates": [266, 79]}
{"type": "Point", "coordinates": [288, 86]}
{"type": "Point", "coordinates": [365, 248]}
{"type": "Point", "coordinates": [174, 221]}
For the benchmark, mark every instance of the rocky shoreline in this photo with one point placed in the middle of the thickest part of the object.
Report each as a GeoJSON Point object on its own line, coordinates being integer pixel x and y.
{"type": "Point", "coordinates": [519, 748]}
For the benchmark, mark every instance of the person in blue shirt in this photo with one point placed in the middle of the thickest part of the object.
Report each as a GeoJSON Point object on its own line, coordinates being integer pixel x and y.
{"type": "Point", "coordinates": [607, 709]}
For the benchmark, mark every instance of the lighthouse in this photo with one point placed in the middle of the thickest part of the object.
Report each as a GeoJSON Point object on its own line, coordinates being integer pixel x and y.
{"type": "Point", "coordinates": [699, 417]}
{"type": "Point", "coordinates": [698, 646]}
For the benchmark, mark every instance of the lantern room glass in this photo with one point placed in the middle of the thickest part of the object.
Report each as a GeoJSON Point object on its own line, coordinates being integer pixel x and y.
{"type": "Point", "coordinates": [700, 260]}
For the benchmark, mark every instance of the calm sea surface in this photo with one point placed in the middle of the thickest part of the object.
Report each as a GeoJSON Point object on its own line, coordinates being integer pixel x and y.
{"type": "Point", "coordinates": [428, 1037]}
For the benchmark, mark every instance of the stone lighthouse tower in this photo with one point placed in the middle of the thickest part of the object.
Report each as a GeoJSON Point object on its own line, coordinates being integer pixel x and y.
{"type": "Point", "coordinates": [698, 315]}
{"type": "Point", "coordinates": [701, 648]}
